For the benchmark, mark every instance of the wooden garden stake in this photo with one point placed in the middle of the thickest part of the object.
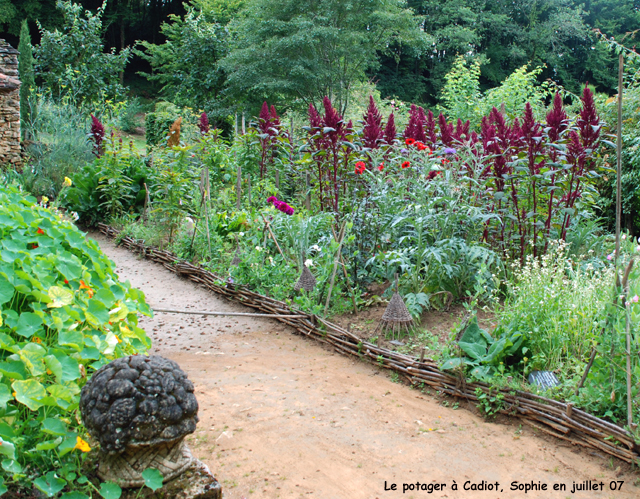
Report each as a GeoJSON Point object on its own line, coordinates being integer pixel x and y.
{"type": "Point", "coordinates": [335, 265]}
{"type": "Point", "coordinates": [239, 187]}
{"type": "Point", "coordinates": [618, 220]}
{"type": "Point", "coordinates": [628, 334]}
{"type": "Point", "coordinates": [243, 128]}
{"type": "Point", "coordinates": [346, 276]}
{"type": "Point", "coordinates": [235, 125]}
{"type": "Point", "coordinates": [619, 159]}
{"type": "Point", "coordinates": [273, 236]}
{"type": "Point", "coordinates": [195, 228]}
{"type": "Point", "coordinates": [147, 203]}
{"type": "Point", "coordinates": [278, 179]}
{"type": "Point", "coordinates": [308, 197]}
{"type": "Point", "coordinates": [207, 200]}
{"type": "Point", "coordinates": [249, 189]}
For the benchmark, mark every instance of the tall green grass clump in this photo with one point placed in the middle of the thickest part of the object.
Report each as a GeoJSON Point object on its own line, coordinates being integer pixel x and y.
{"type": "Point", "coordinates": [556, 303]}
{"type": "Point", "coordinates": [60, 146]}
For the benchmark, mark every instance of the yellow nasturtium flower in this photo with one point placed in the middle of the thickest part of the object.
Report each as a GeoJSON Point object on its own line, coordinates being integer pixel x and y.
{"type": "Point", "coordinates": [81, 445]}
{"type": "Point", "coordinates": [67, 181]}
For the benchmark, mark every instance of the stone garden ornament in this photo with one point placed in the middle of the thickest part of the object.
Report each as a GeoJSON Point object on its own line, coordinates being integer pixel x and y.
{"type": "Point", "coordinates": [140, 409]}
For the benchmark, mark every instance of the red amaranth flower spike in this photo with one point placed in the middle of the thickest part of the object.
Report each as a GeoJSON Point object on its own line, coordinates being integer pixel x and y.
{"type": "Point", "coordinates": [203, 123]}
{"type": "Point", "coordinates": [390, 130]}
{"type": "Point", "coordinates": [372, 122]}
{"type": "Point", "coordinates": [97, 135]}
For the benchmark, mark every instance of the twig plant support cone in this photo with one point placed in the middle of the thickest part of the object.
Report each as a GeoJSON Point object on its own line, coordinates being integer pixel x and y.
{"type": "Point", "coordinates": [396, 317]}
{"type": "Point", "coordinates": [236, 257]}
{"type": "Point", "coordinates": [307, 280]}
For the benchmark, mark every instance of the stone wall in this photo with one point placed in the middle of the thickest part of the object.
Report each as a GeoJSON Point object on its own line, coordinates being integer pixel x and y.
{"type": "Point", "coordinates": [9, 107]}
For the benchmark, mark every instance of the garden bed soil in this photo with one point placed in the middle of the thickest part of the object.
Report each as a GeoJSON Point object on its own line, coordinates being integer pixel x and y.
{"type": "Point", "coordinates": [437, 324]}
{"type": "Point", "coordinates": [282, 416]}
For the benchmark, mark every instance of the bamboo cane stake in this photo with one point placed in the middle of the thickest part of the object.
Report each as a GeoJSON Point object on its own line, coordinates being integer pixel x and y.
{"type": "Point", "coordinates": [628, 352]}
{"type": "Point", "coordinates": [346, 276]}
{"type": "Point", "coordinates": [230, 314]}
{"type": "Point", "coordinates": [335, 267]}
{"type": "Point", "coordinates": [239, 187]}
{"type": "Point", "coordinates": [207, 186]}
{"type": "Point", "coordinates": [268, 225]}
{"type": "Point", "coordinates": [619, 158]}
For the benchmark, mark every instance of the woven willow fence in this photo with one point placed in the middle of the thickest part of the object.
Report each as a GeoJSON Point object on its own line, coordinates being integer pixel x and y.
{"type": "Point", "coordinates": [559, 419]}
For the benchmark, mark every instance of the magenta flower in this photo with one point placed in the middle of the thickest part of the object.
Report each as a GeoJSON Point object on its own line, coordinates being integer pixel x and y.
{"type": "Point", "coordinates": [97, 135]}
{"type": "Point", "coordinates": [203, 123]}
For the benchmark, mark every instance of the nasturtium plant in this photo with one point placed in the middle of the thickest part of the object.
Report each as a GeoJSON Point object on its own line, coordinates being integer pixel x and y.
{"type": "Point", "coordinates": [63, 314]}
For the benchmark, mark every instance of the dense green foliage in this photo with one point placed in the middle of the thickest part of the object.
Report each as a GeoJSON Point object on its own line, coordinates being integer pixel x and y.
{"type": "Point", "coordinates": [64, 314]}
{"type": "Point", "coordinates": [303, 50]}
{"type": "Point", "coordinates": [186, 64]}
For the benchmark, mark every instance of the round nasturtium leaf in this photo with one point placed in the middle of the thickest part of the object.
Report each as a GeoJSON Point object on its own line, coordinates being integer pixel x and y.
{"type": "Point", "coordinates": [59, 297]}
{"type": "Point", "coordinates": [50, 484]}
{"type": "Point", "coordinates": [6, 290]}
{"type": "Point", "coordinates": [29, 392]}
{"type": "Point", "coordinates": [152, 478]}
{"type": "Point", "coordinates": [28, 323]}
{"type": "Point", "coordinates": [110, 490]}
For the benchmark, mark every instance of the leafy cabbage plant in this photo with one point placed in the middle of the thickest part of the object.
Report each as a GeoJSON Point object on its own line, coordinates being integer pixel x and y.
{"type": "Point", "coordinates": [63, 314]}
{"type": "Point", "coordinates": [482, 353]}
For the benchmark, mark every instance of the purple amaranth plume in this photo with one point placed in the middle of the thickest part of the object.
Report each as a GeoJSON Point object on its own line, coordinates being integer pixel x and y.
{"type": "Point", "coordinates": [332, 118]}
{"type": "Point", "coordinates": [314, 118]}
{"type": "Point", "coordinates": [557, 121]}
{"type": "Point", "coordinates": [372, 121]}
{"type": "Point", "coordinates": [275, 119]}
{"type": "Point", "coordinates": [588, 121]}
{"type": "Point", "coordinates": [446, 131]}
{"type": "Point", "coordinates": [264, 119]}
{"type": "Point", "coordinates": [422, 120]}
{"type": "Point", "coordinates": [203, 123]}
{"type": "Point", "coordinates": [97, 135]}
{"type": "Point", "coordinates": [461, 132]}
{"type": "Point", "coordinates": [431, 129]}
{"type": "Point", "coordinates": [390, 130]}
{"type": "Point", "coordinates": [415, 127]}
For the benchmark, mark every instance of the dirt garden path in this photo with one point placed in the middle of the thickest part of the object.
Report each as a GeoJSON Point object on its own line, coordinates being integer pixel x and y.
{"type": "Point", "coordinates": [281, 416]}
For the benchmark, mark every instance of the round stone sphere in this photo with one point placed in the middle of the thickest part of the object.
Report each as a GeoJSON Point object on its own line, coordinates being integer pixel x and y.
{"type": "Point", "coordinates": [138, 400]}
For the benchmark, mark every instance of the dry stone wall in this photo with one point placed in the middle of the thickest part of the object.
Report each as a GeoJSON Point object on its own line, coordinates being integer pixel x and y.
{"type": "Point", "coordinates": [9, 107]}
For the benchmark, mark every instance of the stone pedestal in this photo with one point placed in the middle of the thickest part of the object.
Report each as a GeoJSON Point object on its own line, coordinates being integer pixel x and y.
{"type": "Point", "coordinates": [196, 482]}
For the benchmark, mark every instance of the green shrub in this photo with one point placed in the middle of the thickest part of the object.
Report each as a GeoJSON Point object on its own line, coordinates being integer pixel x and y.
{"type": "Point", "coordinates": [64, 314]}
{"type": "Point", "coordinates": [113, 184]}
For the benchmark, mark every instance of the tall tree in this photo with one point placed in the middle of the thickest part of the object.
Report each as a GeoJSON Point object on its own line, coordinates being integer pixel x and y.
{"type": "Point", "coordinates": [73, 61]}
{"type": "Point", "coordinates": [25, 68]}
{"type": "Point", "coordinates": [186, 64]}
{"type": "Point", "coordinates": [303, 50]}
